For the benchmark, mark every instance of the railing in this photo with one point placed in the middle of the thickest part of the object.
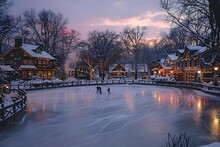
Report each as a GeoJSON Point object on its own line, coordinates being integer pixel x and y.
{"type": "Point", "coordinates": [45, 85]}
{"type": "Point", "coordinates": [18, 104]}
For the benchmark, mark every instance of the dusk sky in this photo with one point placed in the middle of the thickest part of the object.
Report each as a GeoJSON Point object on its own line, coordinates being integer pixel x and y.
{"type": "Point", "coordinates": [88, 15]}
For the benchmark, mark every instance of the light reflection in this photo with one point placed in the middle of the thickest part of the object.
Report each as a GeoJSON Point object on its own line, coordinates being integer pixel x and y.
{"type": "Point", "coordinates": [214, 128]}
{"type": "Point", "coordinates": [130, 100]}
{"type": "Point", "coordinates": [143, 93]}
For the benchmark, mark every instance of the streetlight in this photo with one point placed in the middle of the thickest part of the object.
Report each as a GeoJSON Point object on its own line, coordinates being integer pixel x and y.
{"type": "Point", "coordinates": [198, 77]}
{"type": "Point", "coordinates": [215, 76]}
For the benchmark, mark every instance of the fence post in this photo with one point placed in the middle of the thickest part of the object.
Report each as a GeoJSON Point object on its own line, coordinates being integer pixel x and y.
{"type": "Point", "coordinates": [14, 107]}
{"type": "Point", "coordinates": [2, 111]}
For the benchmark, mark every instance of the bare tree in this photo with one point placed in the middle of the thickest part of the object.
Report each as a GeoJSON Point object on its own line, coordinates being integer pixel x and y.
{"type": "Point", "coordinates": [44, 27]}
{"type": "Point", "coordinates": [7, 23]}
{"type": "Point", "coordinates": [67, 42]}
{"type": "Point", "coordinates": [131, 38]}
{"type": "Point", "coordinates": [197, 18]}
{"type": "Point", "coordinates": [87, 57]}
{"type": "Point", "coordinates": [103, 45]}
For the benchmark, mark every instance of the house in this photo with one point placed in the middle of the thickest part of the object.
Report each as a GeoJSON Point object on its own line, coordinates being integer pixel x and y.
{"type": "Point", "coordinates": [186, 65]}
{"type": "Point", "coordinates": [190, 67]}
{"type": "Point", "coordinates": [164, 67]}
{"type": "Point", "coordinates": [30, 60]}
{"type": "Point", "coordinates": [117, 71]}
{"type": "Point", "coordinates": [127, 70]}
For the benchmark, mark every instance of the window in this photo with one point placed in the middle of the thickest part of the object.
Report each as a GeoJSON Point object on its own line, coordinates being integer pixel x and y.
{"type": "Point", "coordinates": [25, 54]}
{"type": "Point", "coordinates": [11, 54]}
{"type": "Point", "coordinates": [25, 62]}
{"type": "Point", "coordinates": [39, 62]}
{"type": "Point", "coordinates": [30, 62]}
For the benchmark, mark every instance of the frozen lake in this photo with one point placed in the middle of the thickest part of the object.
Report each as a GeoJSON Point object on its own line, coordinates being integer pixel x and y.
{"type": "Point", "coordinates": [131, 116]}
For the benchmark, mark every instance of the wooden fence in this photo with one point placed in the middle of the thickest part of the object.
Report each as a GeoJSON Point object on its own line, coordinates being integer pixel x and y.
{"type": "Point", "coordinates": [194, 85]}
{"type": "Point", "coordinates": [9, 111]}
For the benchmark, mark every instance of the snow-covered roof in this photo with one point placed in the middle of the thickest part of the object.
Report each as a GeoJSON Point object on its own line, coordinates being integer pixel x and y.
{"type": "Point", "coordinates": [27, 66]}
{"type": "Point", "coordinates": [30, 49]}
{"type": "Point", "coordinates": [112, 66]}
{"type": "Point", "coordinates": [6, 68]}
{"type": "Point", "coordinates": [198, 49]}
{"type": "Point", "coordinates": [131, 67]}
{"type": "Point", "coordinates": [180, 50]}
{"type": "Point", "coordinates": [172, 57]}
{"type": "Point", "coordinates": [162, 61]}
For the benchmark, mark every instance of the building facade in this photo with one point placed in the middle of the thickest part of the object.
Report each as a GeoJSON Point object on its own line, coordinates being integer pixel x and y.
{"type": "Point", "coordinates": [189, 65]}
{"type": "Point", "coordinates": [186, 65]}
{"type": "Point", "coordinates": [30, 60]}
{"type": "Point", "coordinates": [127, 70]}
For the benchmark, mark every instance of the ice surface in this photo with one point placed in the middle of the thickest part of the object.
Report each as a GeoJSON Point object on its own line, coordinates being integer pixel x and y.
{"type": "Point", "coordinates": [132, 115]}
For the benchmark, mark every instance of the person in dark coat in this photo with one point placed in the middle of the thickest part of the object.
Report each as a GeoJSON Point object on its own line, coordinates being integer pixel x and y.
{"type": "Point", "coordinates": [108, 90]}
{"type": "Point", "coordinates": [100, 90]}
{"type": "Point", "coordinates": [97, 89]}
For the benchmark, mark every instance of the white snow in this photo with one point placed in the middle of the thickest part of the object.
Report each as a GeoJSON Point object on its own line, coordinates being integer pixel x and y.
{"type": "Point", "coordinates": [30, 49]}
{"type": "Point", "coordinates": [216, 144]}
{"type": "Point", "coordinates": [27, 66]}
{"type": "Point", "coordinates": [172, 57]}
{"type": "Point", "coordinates": [6, 68]}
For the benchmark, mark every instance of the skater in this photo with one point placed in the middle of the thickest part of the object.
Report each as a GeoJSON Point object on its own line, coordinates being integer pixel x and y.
{"type": "Point", "coordinates": [100, 90]}
{"type": "Point", "coordinates": [108, 91]}
{"type": "Point", "coordinates": [97, 89]}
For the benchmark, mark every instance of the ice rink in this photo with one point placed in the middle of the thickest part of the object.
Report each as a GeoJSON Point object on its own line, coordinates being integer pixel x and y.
{"type": "Point", "coordinates": [131, 116]}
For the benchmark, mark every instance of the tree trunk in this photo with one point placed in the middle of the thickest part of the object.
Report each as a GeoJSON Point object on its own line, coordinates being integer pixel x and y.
{"type": "Point", "coordinates": [90, 72]}
{"type": "Point", "coordinates": [135, 65]}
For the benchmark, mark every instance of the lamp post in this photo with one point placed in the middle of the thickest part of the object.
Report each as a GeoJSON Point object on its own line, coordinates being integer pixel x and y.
{"type": "Point", "coordinates": [199, 76]}
{"type": "Point", "coordinates": [215, 76]}
{"type": "Point", "coordinates": [171, 73]}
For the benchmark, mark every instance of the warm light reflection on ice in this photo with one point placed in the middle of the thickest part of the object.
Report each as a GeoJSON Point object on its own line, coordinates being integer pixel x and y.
{"type": "Point", "coordinates": [132, 115]}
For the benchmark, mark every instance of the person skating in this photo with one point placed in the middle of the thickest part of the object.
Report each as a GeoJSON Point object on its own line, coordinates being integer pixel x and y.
{"type": "Point", "coordinates": [108, 90]}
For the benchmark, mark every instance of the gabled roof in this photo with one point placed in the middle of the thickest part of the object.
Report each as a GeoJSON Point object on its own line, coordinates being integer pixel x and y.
{"type": "Point", "coordinates": [130, 67]}
{"type": "Point", "coordinates": [198, 48]}
{"type": "Point", "coordinates": [180, 50]}
{"type": "Point", "coordinates": [112, 66]}
{"type": "Point", "coordinates": [30, 50]}
{"type": "Point", "coordinates": [172, 57]}
{"type": "Point", "coordinates": [162, 64]}
{"type": "Point", "coordinates": [194, 50]}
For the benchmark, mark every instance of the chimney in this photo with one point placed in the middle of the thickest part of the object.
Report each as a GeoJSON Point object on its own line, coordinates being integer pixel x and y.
{"type": "Point", "coordinates": [18, 41]}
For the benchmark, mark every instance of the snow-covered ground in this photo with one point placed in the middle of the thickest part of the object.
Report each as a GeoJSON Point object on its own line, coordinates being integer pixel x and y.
{"type": "Point", "coordinates": [216, 144]}
{"type": "Point", "coordinates": [132, 115]}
